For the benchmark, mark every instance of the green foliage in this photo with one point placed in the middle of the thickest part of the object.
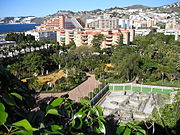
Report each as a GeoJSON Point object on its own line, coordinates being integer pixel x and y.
{"type": "Point", "coordinates": [120, 41]}
{"type": "Point", "coordinates": [73, 79]}
{"type": "Point", "coordinates": [129, 129]}
{"type": "Point", "coordinates": [55, 116]}
{"type": "Point", "coordinates": [19, 113]}
{"type": "Point", "coordinates": [126, 63]}
{"type": "Point", "coordinates": [84, 119]}
{"type": "Point", "coordinates": [33, 83]}
{"type": "Point", "coordinates": [33, 62]}
{"type": "Point", "coordinates": [168, 115]}
{"type": "Point", "coordinates": [97, 41]}
{"type": "Point", "coordinates": [19, 37]}
{"type": "Point", "coordinates": [16, 101]}
{"type": "Point", "coordinates": [3, 114]}
{"type": "Point", "coordinates": [23, 127]}
{"type": "Point", "coordinates": [155, 58]}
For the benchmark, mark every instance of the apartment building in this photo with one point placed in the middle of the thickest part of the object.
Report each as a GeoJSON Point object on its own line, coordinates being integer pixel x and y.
{"type": "Point", "coordinates": [144, 23]}
{"type": "Point", "coordinates": [172, 25]}
{"type": "Point", "coordinates": [142, 32]}
{"type": "Point", "coordinates": [52, 24]}
{"type": "Point", "coordinates": [85, 36]}
{"type": "Point", "coordinates": [40, 35]}
{"type": "Point", "coordinates": [103, 23]}
{"type": "Point", "coordinates": [125, 23]}
{"type": "Point", "coordinates": [115, 23]}
{"type": "Point", "coordinates": [61, 22]}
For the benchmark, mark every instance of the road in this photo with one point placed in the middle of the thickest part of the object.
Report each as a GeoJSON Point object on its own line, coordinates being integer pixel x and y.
{"type": "Point", "coordinates": [80, 91]}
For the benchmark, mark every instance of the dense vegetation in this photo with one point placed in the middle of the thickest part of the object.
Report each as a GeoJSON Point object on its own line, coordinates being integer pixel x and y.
{"type": "Point", "coordinates": [18, 38]}
{"type": "Point", "coordinates": [153, 59]}
{"type": "Point", "coordinates": [23, 113]}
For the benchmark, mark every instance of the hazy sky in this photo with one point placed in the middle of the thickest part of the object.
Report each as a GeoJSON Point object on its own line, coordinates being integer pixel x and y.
{"type": "Point", "coordinates": [46, 7]}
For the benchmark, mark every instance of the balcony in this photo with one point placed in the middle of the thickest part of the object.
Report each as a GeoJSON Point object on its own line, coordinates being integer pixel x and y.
{"type": "Point", "coordinates": [108, 43]}
{"type": "Point", "coordinates": [109, 40]}
{"type": "Point", "coordinates": [108, 36]}
{"type": "Point", "coordinates": [84, 37]}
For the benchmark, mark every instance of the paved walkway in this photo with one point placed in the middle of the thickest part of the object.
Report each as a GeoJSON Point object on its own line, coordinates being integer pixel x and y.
{"type": "Point", "coordinates": [80, 91]}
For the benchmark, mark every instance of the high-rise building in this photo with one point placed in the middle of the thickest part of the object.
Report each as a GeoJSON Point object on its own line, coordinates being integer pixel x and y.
{"type": "Point", "coordinates": [144, 23]}
{"type": "Point", "coordinates": [61, 22]}
{"type": "Point", "coordinates": [103, 23]}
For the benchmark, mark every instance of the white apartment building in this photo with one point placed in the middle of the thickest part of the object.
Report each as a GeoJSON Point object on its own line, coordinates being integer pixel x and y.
{"type": "Point", "coordinates": [39, 35]}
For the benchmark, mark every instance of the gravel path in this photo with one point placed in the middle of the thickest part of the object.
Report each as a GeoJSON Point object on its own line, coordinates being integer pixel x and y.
{"type": "Point", "coordinates": [80, 91]}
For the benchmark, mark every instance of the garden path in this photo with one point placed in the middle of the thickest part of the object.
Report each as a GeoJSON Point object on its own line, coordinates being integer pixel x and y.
{"type": "Point", "coordinates": [80, 91]}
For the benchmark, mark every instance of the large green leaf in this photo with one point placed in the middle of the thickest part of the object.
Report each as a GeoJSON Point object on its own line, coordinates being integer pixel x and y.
{"type": "Point", "coordinates": [3, 114]}
{"type": "Point", "coordinates": [77, 123]}
{"type": "Point", "coordinates": [25, 124]}
{"type": "Point", "coordinates": [3, 117]}
{"type": "Point", "coordinates": [101, 118]}
{"type": "Point", "coordinates": [52, 111]}
{"type": "Point", "coordinates": [142, 131]}
{"type": "Point", "coordinates": [17, 95]}
{"type": "Point", "coordinates": [131, 125]}
{"type": "Point", "coordinates": [100, 128]}
{"type": "Point", "coordinates": [139, 133]}
{"type": "Point", "coordinates": [85, 102]}
{"type": "Point", "coordinates": [79, 115]}
{"type": "Point", "coordinates": [23, 132]}
{"type": "Point", "coordinates": [57, 102]}
{"type": "Point", "coordinates": [56, 127]}
{"type": "Point", "coordinates": [92, 111]}
{"type": "Point", "coordinates": [99, 110]}
{"type": "Point", "coordinates": [2, 108]}
{"type": "Point", "coordinates": [127, 131]}
{"type": "Point", "coordinates": [120, 130]}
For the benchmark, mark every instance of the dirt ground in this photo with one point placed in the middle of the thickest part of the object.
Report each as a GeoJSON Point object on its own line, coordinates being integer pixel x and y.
{"type": "Point", "coordinates": [49, 78]}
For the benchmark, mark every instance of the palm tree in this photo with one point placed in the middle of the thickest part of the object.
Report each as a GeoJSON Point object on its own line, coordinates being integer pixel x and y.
{"type": "Point", "coordinates": [5, 52]}
{"type": "Point", "coordinates": [11, 49]}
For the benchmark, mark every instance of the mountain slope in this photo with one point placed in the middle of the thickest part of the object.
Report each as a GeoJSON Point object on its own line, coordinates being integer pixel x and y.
{"type": "Point", "coordinates": [113, 12]}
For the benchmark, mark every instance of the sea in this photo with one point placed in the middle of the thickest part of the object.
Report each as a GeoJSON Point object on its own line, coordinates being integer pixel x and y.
{"type": "Point", "coordinates": [5, 28]}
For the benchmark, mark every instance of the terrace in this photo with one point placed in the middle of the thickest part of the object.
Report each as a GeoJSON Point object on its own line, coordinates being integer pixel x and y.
{"type": "Point", "coordinates": [127, 102]}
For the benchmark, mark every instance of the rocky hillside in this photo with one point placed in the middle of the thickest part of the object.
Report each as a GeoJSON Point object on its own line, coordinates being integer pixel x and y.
{"type": "Point", "coordinates": [172, 10]}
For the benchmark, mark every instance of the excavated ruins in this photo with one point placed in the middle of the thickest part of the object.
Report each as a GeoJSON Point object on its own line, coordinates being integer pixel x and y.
{"type": "Point", "coordinates": [130, 105]}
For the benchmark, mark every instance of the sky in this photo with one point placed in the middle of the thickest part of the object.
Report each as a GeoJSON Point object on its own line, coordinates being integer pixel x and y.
{"type": "Point", "coordinates": [41, 8]}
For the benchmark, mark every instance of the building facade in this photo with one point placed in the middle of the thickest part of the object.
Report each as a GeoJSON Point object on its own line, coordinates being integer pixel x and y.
{"type": "Point", "coordinates": [172, 25]}
{"type": "Point", "coordinates": [103, 23]}
{"type": "Point", "coordinates": [61, 22]}
{"type": "Point", "coordinates": [40, 35]}
{"type": "Point", "coordinates": [144, 23]}
{"type": "Point", "coordinates": [85, 36]}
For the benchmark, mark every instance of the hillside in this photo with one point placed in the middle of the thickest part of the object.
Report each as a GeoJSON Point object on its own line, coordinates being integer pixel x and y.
{"type": "Point", "coordinates": [137, 7]}
{"type": "Point", "coordinates": [172, 10]}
